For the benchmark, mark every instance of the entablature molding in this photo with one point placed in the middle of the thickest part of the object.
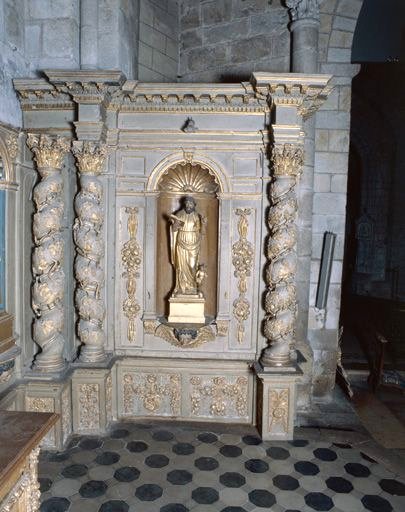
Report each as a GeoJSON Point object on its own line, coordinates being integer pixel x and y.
{"type": "Point", "coordinates": [303, 92]}
{"type": "Point", "coordinates": [62, 89]}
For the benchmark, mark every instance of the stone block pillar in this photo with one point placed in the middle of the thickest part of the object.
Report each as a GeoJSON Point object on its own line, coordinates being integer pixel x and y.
{"type": "Point", "coordinates": [91, 400]}
{"type": "Point", "coordinates": [52, 397]}
{"type": "Point", "coordinates": [292, 98]}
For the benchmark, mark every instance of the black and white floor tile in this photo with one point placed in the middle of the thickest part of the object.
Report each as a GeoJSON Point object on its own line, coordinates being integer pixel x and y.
{"type": "Point", "coordinates": [168, 468]}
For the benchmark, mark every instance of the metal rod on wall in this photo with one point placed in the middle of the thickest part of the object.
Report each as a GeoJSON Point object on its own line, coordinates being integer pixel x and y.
{"type": "Point", "coordinates": [325, 270]}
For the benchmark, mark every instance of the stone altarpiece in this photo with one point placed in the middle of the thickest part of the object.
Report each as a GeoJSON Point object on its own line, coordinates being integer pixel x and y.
{"type": "Point", "coordinates": [131, 151]}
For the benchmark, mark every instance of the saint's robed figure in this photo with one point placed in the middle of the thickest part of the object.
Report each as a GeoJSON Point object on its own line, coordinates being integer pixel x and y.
{"type": "Point", "coordinates": [185, 245]}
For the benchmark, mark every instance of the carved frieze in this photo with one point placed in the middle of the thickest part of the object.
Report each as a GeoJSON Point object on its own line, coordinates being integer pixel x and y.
{"type": "Point", "coordinates": [89, 239]}
{"type": "Point", "coordinates": [242, 260]}
{"type": "Point", "coordinates": [131, 255]}
{"type": "Point", "coordinates": [151, 393]}
{"type": "Point", "coordinates": [219, 396]}
{"type": "Point", "coordinates": [47, 260]}
{"type": "Point", "coordinates": [89, 406]}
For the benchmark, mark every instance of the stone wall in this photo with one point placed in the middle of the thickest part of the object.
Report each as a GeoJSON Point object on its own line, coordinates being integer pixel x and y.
{"type": "Point", "coordinates": [13, 62]}
{"type": "Point", "coordinates": [118, 35]}
{"type": "Point", "coordinates": [338, 22]}
{"type": "Point", "coordinates": [225, 41]}
{"type": "Point", "coordinates": [158, 41]}
{"type": "Point", "coordinates": [52, 33]}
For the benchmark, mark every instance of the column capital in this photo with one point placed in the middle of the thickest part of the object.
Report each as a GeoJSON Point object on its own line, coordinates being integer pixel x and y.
{"type": "Point", "coordinates": [90, 156]}
{"type": "Point", "coordinates": [287, 159]}
{"type": "Point", "coordinates": [49, 152]}
{"type": "Point", "coordinates": [303, 9]}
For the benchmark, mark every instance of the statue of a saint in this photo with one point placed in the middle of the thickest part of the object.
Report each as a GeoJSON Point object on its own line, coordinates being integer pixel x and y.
{"type": "Point", "coordinates": [185, 244]}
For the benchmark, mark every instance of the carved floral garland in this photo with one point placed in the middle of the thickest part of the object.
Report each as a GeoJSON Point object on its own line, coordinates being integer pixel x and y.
{"type": "Point", "coordinates": [131, 255]}
{"type": "Point", "coordinates": [242, 259]}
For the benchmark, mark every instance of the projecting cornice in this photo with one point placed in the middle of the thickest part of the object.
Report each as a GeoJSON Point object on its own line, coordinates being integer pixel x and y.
{"type": "Point", "coordinates": [63, 89]}
{"type": "Point", "coordinates": [305, 92]}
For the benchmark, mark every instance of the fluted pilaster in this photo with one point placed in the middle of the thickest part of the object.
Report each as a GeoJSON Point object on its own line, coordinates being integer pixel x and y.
{"type": "Point", "coordinates": [47, 261]}
{"type": "Point", "coordinates": [280, 298]}
{"type": "Point", "coordinates": [89, 239]}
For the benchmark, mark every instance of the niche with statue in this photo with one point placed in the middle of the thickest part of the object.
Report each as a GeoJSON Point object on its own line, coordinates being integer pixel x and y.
{"type": "Point", "coordinates": [187, 245]}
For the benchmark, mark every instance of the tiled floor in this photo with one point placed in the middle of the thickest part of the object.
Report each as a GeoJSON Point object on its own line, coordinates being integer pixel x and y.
{"type": "Point", "coordinates": [172, 468]}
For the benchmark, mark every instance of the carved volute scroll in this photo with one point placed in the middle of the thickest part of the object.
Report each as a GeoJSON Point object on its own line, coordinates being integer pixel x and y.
{"type": "Point", "coordinates": [89, 239]}
{"type": "Point", "coordinates": [280, 298]}
{"type": "Point", "coordinates": [47, 261]}
{"type": "Point", "coordinates": [131, 255]}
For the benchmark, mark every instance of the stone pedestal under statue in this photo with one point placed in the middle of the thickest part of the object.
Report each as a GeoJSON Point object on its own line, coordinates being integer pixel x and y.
{"type": "Point", "coordinates": [187, 309]}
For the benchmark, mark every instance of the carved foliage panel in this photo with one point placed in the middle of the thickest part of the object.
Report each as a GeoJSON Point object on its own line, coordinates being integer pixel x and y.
{"type": "Point", "coordinates": [219, 396]}
{"type": "Point", "coordinates": [151, 394]}
{"type": "Point", "coordinates": [89, 406]}
{"type": "Point", "coordinates": [130, 262]}
{"type": "Point", "coordinates": [244, 271]}
{"type": "Point", "coordinates": [185, 393]}
{"type": "Point", "coordinates": [279, 410]}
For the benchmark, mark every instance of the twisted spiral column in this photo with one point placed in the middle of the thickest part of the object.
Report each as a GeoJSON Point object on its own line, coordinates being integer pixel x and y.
{"type": "Point", "coordinates": [47, 260]}
{"type": "Point", "coordinates": [89, 239]}
{"type": "Point", "coordinates": [280, 297]}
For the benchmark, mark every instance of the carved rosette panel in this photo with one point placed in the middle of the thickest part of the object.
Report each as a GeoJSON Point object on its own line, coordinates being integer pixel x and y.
{"type": "Point", "coordinates": [89, 239]}
{"type": "Point", "coordinates": [278, 409]}
{"type": "Point", "coordinates": [242, 260]}
{"type": "Point", "coordinates": [151, 394]}
{"type": "Point", "coordinates": [219, 396]}
{"type": "Point", "coordinates": [131, 255]}
{"type": "Point", "coordinates": [47, 260]}
{"type": "Point", "coordinates": [280, 298]}
{"type": "Point", "coordinates": [89, 406]}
